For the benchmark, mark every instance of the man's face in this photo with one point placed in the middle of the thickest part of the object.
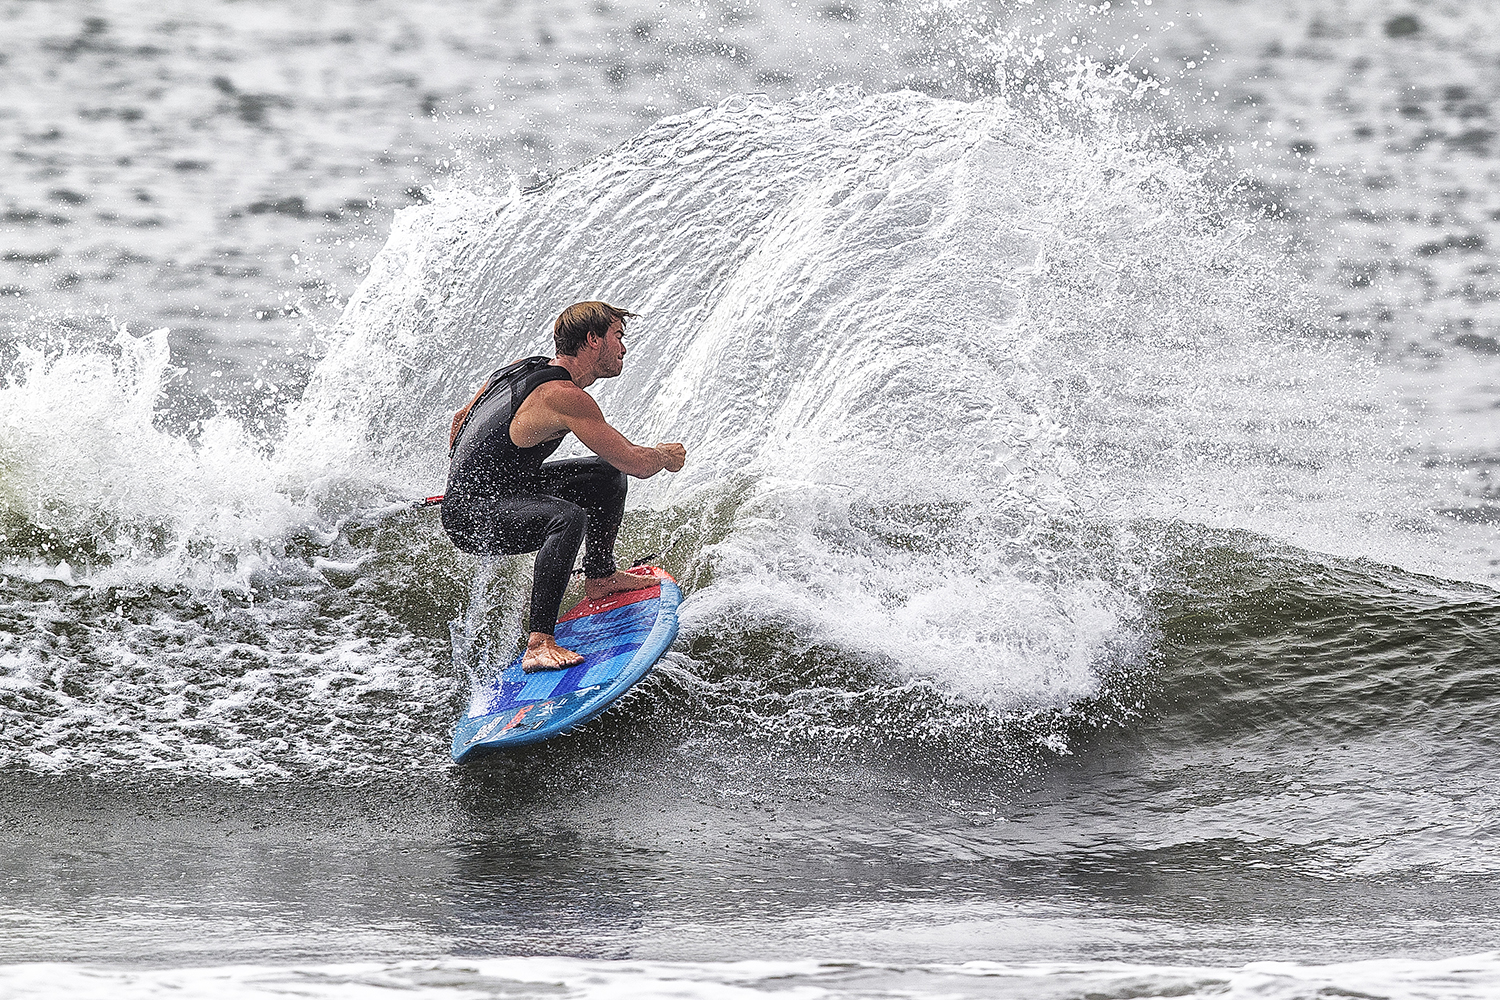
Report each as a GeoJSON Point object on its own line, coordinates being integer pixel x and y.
{"type": "Point", "coordinates": [611, 350]}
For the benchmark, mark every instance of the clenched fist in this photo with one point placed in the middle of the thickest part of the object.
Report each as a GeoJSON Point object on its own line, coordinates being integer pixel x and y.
{"type": "Point", "coordinates": [673, 454]}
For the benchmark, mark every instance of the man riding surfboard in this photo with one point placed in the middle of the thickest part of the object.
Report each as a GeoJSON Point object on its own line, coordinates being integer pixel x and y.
{"type": "Point", "coordinates": [504, 499]}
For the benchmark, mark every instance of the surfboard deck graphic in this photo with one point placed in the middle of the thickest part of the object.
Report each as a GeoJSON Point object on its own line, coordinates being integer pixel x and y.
{"type": "Point", "coordinates": [621, 637]}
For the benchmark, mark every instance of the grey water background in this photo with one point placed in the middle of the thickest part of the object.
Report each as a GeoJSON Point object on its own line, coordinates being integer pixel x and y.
{"type": "Point", "coordinates": [1089, 543]}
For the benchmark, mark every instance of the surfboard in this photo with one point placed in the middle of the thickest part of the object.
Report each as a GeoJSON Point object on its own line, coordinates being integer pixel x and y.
{"type": "Point", "coordinates": [621, 636]}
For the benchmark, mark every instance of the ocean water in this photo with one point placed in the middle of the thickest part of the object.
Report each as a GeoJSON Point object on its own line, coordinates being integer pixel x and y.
{"type": "Point", "coordinates": [1089, 535]}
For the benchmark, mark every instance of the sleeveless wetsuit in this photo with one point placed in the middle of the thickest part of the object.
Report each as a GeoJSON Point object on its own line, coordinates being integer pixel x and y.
{"type": "Point", "coordinates": [502, 499]}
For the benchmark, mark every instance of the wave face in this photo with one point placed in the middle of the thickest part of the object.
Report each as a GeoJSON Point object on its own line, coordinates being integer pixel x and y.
{"type": "Point", "coordinates": [948, 381]}
{"type": "Point", "coordinates": [936, 367]}
{"type": "Point", "coordinates": [974, 407]}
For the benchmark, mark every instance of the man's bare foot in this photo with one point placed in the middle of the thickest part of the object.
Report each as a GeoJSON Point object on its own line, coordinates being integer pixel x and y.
{"type": "Point", "coordinates": [543, 653]}
{"type": "Point", "coordinates": [605, 585]}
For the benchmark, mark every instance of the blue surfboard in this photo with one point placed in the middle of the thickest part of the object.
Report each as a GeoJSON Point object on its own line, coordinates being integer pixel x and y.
{"type": "Point", "coordinates": [621, 636]}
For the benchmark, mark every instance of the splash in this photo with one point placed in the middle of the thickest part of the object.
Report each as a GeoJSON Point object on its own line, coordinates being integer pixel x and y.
{"type": "Point", "coordinates": [947, 349]}
{"type": "Point", "coordinates": [88, 476]}
{"type": "Point", "coordinates": [93, 488]}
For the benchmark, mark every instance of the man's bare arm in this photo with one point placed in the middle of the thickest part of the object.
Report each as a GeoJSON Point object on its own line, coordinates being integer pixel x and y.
{"type": "Point", "coordinates": [576, 411]}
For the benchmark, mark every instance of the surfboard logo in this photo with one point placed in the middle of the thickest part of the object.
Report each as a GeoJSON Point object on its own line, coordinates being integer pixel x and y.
{"type": "Point", "coordinates": [484, 731]}
{"type": "Point", "coordinates": [515, 719]}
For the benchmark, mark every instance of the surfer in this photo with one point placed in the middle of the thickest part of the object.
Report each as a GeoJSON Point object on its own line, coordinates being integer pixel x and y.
{"type": "Point", "coordinates": [503, 499]}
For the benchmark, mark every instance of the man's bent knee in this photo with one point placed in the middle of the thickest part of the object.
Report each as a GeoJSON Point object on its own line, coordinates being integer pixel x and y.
{"type": "Point", "coordinates": [618, 483]}
{"type": "Point", "coordinates": [570, 519]}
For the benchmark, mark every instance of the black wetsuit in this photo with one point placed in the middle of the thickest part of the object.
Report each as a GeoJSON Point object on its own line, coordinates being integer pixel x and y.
{"type": "Point", "coordinates": [501, 499]}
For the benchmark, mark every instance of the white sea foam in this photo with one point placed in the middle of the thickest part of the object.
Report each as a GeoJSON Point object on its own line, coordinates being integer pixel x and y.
{"type": "Point", "coordinates": [97, 491]}
{"type": "Point", "coordinates": [968, 619]}
{"type": "Point", "coordinates": [89, 470]}
{"type": "Point", "coordinates": [271, 692]}
{"type": "Point", "coordinates": [580, 979]}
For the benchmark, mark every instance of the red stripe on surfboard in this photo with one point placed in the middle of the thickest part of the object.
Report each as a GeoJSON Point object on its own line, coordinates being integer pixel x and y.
{"type": "Point", "coordinates": [620, 600]}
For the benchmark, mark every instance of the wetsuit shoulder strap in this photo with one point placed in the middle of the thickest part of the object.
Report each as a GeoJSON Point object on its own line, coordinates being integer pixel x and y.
{"type": "Point", "coordinates": [512, 376]}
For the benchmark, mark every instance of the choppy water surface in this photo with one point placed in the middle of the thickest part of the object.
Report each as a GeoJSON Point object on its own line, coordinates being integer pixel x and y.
{"type": "Point", "coordinates": [1089, 534]}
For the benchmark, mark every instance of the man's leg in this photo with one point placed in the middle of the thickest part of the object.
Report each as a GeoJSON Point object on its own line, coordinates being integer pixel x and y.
{"type": "Point", "coordinates": [599, 488]}
{"type": "Point", "coordinates": [551, 527]}
{"type": "Point", "coordinates": [562, 532]}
